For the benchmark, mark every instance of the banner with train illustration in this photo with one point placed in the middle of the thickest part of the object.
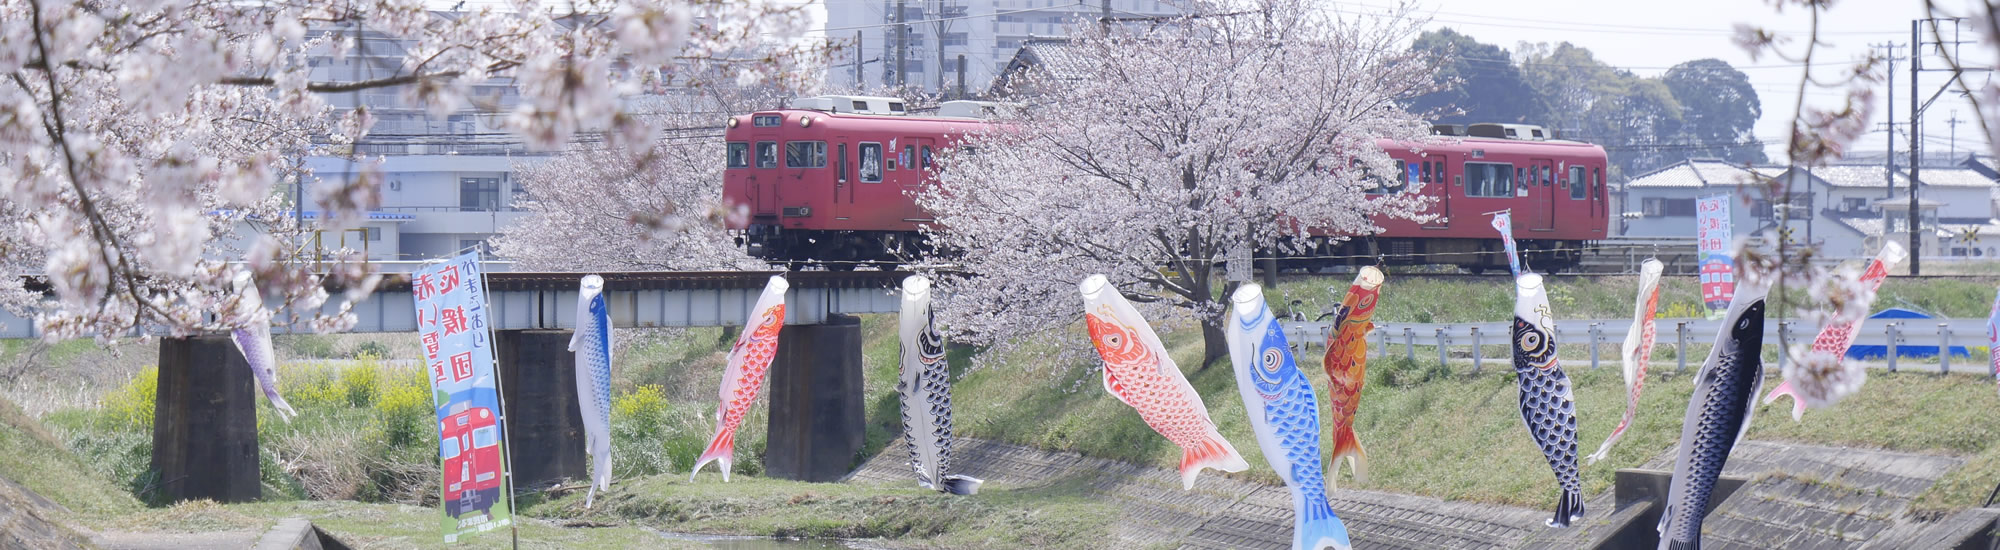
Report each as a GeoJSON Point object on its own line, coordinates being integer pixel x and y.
{"type": "Point", "coordinates": [458, 356]}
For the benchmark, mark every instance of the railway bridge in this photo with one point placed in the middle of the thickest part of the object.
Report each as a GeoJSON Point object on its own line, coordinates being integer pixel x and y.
{"type": "Point", "coordinates": [205, 421]}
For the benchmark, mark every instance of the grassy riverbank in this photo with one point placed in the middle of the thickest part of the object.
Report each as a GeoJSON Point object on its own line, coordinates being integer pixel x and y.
{"type": "Point", "coordinates": [1429, 429]}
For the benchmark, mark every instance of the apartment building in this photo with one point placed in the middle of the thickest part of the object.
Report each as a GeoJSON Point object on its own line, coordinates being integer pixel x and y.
{"type": "Point", "coordinates": [986, 32]}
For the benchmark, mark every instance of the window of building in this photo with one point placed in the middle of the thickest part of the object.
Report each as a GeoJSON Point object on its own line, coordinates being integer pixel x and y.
{"type": "Point", "coordinates": [1490, 179]}
{"type": "Point", "coordinates": [1659, 206]}
{"type": "Point", "coordinates": [739, 154]}
{"type": "Point", "coordinates": [371, 234]}
{"type": "Point", "coordinates": [473, 245]}
{"type": "Point", "coordinates": [767, 154]}
{"type": "Point", "coordinates": [479, 193]}
{"type": "Point", "coordinates": [1854, 204]}
{"type": "Point", "coordinates": [805, 154]}
{"type": "Point", "coordinates": [871, 162]}
{"type": "Point", "coordinates": [1577, 183]}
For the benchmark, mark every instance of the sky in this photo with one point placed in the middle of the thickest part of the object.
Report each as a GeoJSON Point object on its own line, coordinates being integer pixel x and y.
{"type": "Point", "coordinates": [1649, 37]}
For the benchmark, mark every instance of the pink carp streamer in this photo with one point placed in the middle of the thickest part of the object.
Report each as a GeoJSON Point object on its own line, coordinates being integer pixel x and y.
{"type": "Point", "coordinates": [1819, 378]}
{"type": "Point", "coordinates": [743, 378]}
{"type": "Point", "coordinates": [1637, 351]}
{"type": "Point", "coordinates": [1138, 371]}
{"type": "Point", "coordinates": [1993, 335]}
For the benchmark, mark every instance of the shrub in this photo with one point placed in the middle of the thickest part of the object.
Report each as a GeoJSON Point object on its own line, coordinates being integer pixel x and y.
{"type": "Point", "coordinates": [642, 423]}
{"type": "Point", "coordinates": [369, 350]}
{"type": "Point", "coordinates": [131, 406]}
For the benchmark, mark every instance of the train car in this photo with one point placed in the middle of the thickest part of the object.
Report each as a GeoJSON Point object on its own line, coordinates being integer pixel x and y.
{"type": "Point", "coordinates": [831, 181]}
{"type": "Point", "coordinates": [1554, 191]}
{"type": "Point", "coordinates": [470, 444]}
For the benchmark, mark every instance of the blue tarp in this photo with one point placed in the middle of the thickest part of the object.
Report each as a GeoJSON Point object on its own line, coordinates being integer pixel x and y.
{"type": "Point", "coordinates": [1882, 352]}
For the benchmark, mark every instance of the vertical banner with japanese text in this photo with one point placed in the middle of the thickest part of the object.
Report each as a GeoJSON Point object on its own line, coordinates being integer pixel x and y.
{"type": "Point", "coordinates": [1503, 221]}
{"type": "Point", "coordinates": [1713, 242]}
{"type": "Point", "coordinates": [458, 356]}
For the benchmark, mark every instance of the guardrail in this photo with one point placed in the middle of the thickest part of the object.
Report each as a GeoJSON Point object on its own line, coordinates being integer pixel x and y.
{"type": "Point", "coordinates": [1465, 342]}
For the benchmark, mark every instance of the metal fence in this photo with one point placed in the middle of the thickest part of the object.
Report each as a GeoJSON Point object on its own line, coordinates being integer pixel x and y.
{"type": "Point", "coordinates": [1601, 339]}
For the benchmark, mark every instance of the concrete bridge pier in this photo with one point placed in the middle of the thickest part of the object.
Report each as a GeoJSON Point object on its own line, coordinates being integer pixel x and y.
{"type": "Point", "coordinates": [205, 422]}
{"type": "Point", "coordinates": [817, 412]}
{"type": "Point", "coordinates": [544, 426]}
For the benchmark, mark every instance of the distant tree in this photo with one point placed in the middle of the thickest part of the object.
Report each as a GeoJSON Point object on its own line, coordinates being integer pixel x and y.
{"type": "Point", "coordinates": [1719, 110]}
{"type": "Point", "coordinates": [1186, 148]}
{"type": "Point", "coordinates": [1478, 82]}
{"type": "Point", "coordinates": [1639, 120]}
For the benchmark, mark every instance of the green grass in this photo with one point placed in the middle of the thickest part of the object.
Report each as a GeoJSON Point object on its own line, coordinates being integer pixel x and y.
{"type": "Point", "coordinates": [1063, 515]}
{"type": "Point", "coordinates": [39, 461]}
{"type": "Point", "coordinates": [1429, 429]}
{"type": "Point", "coordinates": [1458, 436]}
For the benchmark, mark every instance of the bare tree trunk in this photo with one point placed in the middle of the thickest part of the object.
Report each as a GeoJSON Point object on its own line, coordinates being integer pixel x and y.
{"type": "Point", "coordinates": [1214, 344]}
{"type": "Point", "coordinates": [1270, 272]}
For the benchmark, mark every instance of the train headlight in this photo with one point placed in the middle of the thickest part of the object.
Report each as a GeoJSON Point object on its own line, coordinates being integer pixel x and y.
{"type": "Point", "coordinates": [732, 123]}
{"type": "Point", "coordinates": [805, 122]}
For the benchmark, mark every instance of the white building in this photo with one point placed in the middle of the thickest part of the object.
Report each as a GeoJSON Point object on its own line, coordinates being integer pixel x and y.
{"type": "Point", "coordinates": [986, 32]}
{"type": "Point", "coordinates": [1846, 210]}
{"type": "Point", "coordinates": [449, 179]}
{"type": "Point", "coordinates": [1661, 203]}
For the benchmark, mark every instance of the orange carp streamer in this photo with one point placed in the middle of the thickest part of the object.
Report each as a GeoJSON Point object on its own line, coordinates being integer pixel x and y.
{"type": "Point", "coordinates": [1347, 369]}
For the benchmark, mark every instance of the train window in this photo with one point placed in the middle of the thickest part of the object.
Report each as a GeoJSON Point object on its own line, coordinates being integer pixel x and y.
{"type": "Point", "coordinates": [739, 154]}
{"type": "Point", "coordinates": [767, 154]}
{"type": "Point", "coordinates": [1548, 175]}
{"type": "Point", "coordinates": [840, 163]}
{"type": "Point", "coordinates": [485, 437]}
{"type": "Point", "coordinates": [1577, 183]}
{"type": "Point", "coordinates": [871, 162]}
{"type": "Point", "coordinates": [1489, 179]}
{"type": "Point", "coordinates": [448, 448]}
{"type": "Point", "coordinates": [927, 157]}
{"type": "Point", "coordinates": [805, 154]}
{"type": "Point", "coordinates": [909, 156]}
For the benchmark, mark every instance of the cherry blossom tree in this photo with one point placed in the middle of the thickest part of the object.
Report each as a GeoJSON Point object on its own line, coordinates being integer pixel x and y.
{"type": "Point", "coordinates": [611, 208]}
{"type": "Point", "coordinates": [134, 135]}
{"type": "Point", "coordinates": [1154, 153]}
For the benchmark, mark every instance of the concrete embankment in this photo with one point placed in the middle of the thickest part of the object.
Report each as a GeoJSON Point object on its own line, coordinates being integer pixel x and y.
{"type": "Point", "coordinates": [1797, 496]}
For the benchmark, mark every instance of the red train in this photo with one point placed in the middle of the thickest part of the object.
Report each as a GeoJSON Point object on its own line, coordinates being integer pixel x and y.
{"type": "Point", "coordinates": [470, 444]}
{"type": "Point", "coordinates": [831, 181]}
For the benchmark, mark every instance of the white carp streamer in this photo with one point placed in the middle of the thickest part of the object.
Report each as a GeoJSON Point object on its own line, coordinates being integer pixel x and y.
{"type": "Point", "coordinates": [1637, 351]}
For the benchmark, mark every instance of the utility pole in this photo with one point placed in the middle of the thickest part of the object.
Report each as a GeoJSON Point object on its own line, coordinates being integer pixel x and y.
{"type": "Point", "coordinates": [902, 44]}
{"type": "Point", "coordinates": [1889, 154]}
{"type": "Point", "coordinates": [937, 38]}
{"type": "Point", "coordinates": [1916, 144]}
{"type": "Point", "coordinates": [1953, 123]}
{"type": "Point", "coordinates": [858, 52]}
{"type": "Point", "coordinates": [961, 77]}
{"type": "Point", "coordinates": [1917, 44]}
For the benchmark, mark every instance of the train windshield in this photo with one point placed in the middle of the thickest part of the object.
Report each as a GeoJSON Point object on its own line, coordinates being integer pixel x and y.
{"type": "Point", "coordinates": [485, 437]}
{"type": "Point", "coordinates": [739, 154]}
{"type": "Point", "coordinates": [449, 448]}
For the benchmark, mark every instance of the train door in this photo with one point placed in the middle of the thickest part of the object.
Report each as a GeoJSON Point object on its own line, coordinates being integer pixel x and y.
{"type": "Point", "coordinates": [1542, 193]}
{"type": "Point", "coordinates": [1437, 185]}
{"type": "Point", "coordinates": [925, 160]}
{"type": "Point", "coordinates": [870, 171]}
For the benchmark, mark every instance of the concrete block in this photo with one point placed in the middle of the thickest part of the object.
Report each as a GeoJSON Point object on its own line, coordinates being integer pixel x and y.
{"type": "Point", "coordinates": [817, 410]}
{"type": "Point", "coordinates": [205, 422]}
{"type": "Point", "coordinates": [544, 426]}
